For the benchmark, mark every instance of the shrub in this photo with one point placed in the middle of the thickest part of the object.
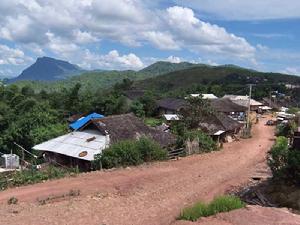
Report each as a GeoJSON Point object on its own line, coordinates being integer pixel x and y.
{"type": "Point", "coordinates": [12, 200]}
{"type": "Point", "coordinates": [123, 153]}
{"type": "Point", "coordinates": [150, 150]}
{"type": "Point", "coordinates": [206, 143]}
{"type": "Point", "coordinates": [219, 204]}
{"type": "Point", "coordinates": [278, 156]}
{"type": "Point", "coordinates": [293, 166]}
{"type": "Point", "coordinates": [127, 153]}
{"type": "Point", "coordinates": [24, 177]}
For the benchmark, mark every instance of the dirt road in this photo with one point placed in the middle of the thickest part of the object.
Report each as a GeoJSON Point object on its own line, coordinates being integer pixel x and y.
{"type": "Point", "coordinates": [149, 194]}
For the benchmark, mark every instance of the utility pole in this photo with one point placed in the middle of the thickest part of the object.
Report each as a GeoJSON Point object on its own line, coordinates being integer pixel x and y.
{"type": "Point", "coordinates": [249, 107]}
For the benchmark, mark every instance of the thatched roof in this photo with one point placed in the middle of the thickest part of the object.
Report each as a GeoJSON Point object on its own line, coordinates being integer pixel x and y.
{"type": "Point", "coordinates": [134, 94]}
{"type": "Point", "coordinates": [225, 105]}
{"type": "Point", "coordinates": [128, 126]}
{"type": "Point", "coordinates": [172, 103]}
{"type": "Point", "coordinates": [219, 122]}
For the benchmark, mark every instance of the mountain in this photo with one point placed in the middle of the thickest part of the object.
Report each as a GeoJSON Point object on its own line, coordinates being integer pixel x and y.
{"type": "Point", "coordinates": [48, 69]}
{"type": "Point", "coordinates": [162, 67]}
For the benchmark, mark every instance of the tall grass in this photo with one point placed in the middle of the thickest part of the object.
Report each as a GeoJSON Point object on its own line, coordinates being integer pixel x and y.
{"type": "Point", "coordinates": [220, 204]}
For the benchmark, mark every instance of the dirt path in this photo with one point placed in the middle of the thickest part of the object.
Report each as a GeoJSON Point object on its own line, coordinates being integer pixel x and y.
{"type": "Point", "coordinates": [150, 194]}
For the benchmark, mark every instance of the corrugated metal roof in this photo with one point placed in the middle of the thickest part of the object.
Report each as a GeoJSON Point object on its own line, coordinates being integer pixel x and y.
{"type": "Point", "coordinates": [72, 144]}
{"type": "Point", "coordinates": [84, 120]}
{"type": "Point", "coordinates": [171, 116]}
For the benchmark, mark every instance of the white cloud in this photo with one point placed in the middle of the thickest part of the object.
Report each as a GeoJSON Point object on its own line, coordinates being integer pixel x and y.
{"type": "Point", "coordinates": [162, 40]}
{"type": "Point", "coordinates": [67, 28]}
{"type": "Point", "coordinates": [173, 59]}
{"type": "Point", "coordinates": [200, 36]}
{"type": "Point", "coordinates": [111, 60]}
{"type": "Point", "coordinates": [245, 9]}
{"type": "Point", "coordinates": [12, 56]}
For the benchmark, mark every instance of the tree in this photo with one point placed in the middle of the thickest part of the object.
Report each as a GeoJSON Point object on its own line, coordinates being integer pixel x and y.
{"type": "Point", "coordinates": [149, 103]}
{"type": "Point", "coordinates": [196, 111]}
{"type": "Point", "coordinates": [278, 156]}
{"type": "Point", "coordinates": [138, 109]}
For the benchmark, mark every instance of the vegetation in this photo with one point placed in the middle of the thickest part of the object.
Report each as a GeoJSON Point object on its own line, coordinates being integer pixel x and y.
{"type": "Point", "coordinates": [128, 153]}
{"type": "Point", "coordinates": [286, 129]}
{"type": "Point", "coordinates": [206, 143]}
{"type": "Point", "coordinates": [12, 201]}
{"type": "Point", "coordinates": [284, 162]}
{"type": "Point", "coordinates": [152, 122]}
{"type": "Point", "coordinates": [19, 178]}
{"type": "Point", "coordinates": [219, 204]}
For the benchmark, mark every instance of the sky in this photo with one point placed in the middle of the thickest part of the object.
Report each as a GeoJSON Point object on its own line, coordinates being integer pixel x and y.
{"type": "Point", "coordinates": [132, 34]}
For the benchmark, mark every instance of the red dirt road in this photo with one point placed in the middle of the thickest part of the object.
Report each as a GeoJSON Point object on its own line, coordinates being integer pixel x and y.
{"type": "Point", "coordinates": [149, 194]}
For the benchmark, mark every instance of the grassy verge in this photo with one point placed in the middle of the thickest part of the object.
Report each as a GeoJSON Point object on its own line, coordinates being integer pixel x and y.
{"type": "Point", "coordinates": [220, 204]}
{"type": "Point", "coordinates": [18, 178]}
{"type": "Point", "coordinates": [152, 122]}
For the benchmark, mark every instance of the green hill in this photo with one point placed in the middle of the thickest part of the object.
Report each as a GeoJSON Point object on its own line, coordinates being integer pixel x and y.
{"type": "Point", "coordinates": [220, 75]}
{"type": "Point", "coordinates": [95, 80]}
{"type": "Point", "coordinates": [162, 67]}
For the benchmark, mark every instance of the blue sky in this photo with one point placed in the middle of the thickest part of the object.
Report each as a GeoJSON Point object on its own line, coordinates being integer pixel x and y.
{"type": "Point", "coordinates": [131, 34]}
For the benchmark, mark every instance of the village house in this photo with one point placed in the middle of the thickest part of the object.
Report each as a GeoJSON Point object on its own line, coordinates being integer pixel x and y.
{"type": "Point", "coordinates": [244, 101]}
{"type": "Point", "coordinates": [229, 108]}
{"type": "Point", "coordinates": [79, 147]}
{"type": "Point", "coordinates": [133, 95]}
{"type": "Point", "coordinates": [171, 106]}
{"type": "Point", "coordinates": [221, 127]}
{"type": "Point", "coordinates": [204, 96]}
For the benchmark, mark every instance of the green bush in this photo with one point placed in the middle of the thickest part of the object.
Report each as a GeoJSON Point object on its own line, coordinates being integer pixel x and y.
{"type": "Point", "coordinates": [220, 204]}
{"type": "Point", "coordinates": [127, 153]}
{"type": "Point", "coordinates": [206, 143]}
{"type": "Point", "coordinates": [293, 166]}
{"type": "Point", "coordinates": [278, 156]}
{"type": "Point", "coordinates": [284, 162]}
{"type": "Point", "coordinates": [150, 150]}
{"type": "Point", "coordinates": [123, 153]}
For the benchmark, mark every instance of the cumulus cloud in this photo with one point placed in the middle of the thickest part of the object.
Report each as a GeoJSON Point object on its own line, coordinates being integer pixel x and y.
{"type": "Point", "coordinates": [12, 56]}
{"type": "Point", "coordinates": [162, 40]}
{"type": "Point", "coordinates": [68, 28]}
{"type": "Point", "coordinates": [246, 10]}
{"type": "Point", "coordinates": [111, 60]}
{"type": "Point", "coordinates": [205, 37]}
{"type": "Point", "coordinates": [173, 59]}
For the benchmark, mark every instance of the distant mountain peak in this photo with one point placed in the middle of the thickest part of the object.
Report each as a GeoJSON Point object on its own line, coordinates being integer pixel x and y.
{"type": "Point", "coordinates": [48, 69]}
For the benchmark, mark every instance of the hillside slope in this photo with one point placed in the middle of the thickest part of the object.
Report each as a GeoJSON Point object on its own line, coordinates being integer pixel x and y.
{"type": "Point", "coordinates": [162, 67]}
{"type": "Point", "coordinates": [222, 75]}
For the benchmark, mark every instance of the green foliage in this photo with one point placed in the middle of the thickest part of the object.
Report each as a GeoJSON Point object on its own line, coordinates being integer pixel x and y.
{"type": "Point", "coordinates": [293, 110]}
{"type": "Point", "coordinates": [152, 122]}
{"type": "Point", "coordinates": [220, 204]}
{"type": "Point", "coordinates": [138, 109]}
{"type": "Point", "coordinates": [127, 153]}
{"type": "Point", "coordinates": [32, 176]}
{"type": "Point", "coordinates": [150, 150]}
{"type": "Point", "coordinates": [197, 111]}
{"type": "Point", "coordinates": [286, 129]}
{"type": "Point", "coordinates": [284, 162]}
{"type": "Point", "coordinates": [293, 166]}
{"type": "Point", "coordinates": [206, 143]}
{"type": "Point", "coordinates": [278, 155]}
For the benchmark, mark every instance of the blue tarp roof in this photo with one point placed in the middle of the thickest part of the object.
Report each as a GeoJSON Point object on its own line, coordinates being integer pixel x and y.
{"type": "Point", "coordinates": [84, 120]}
